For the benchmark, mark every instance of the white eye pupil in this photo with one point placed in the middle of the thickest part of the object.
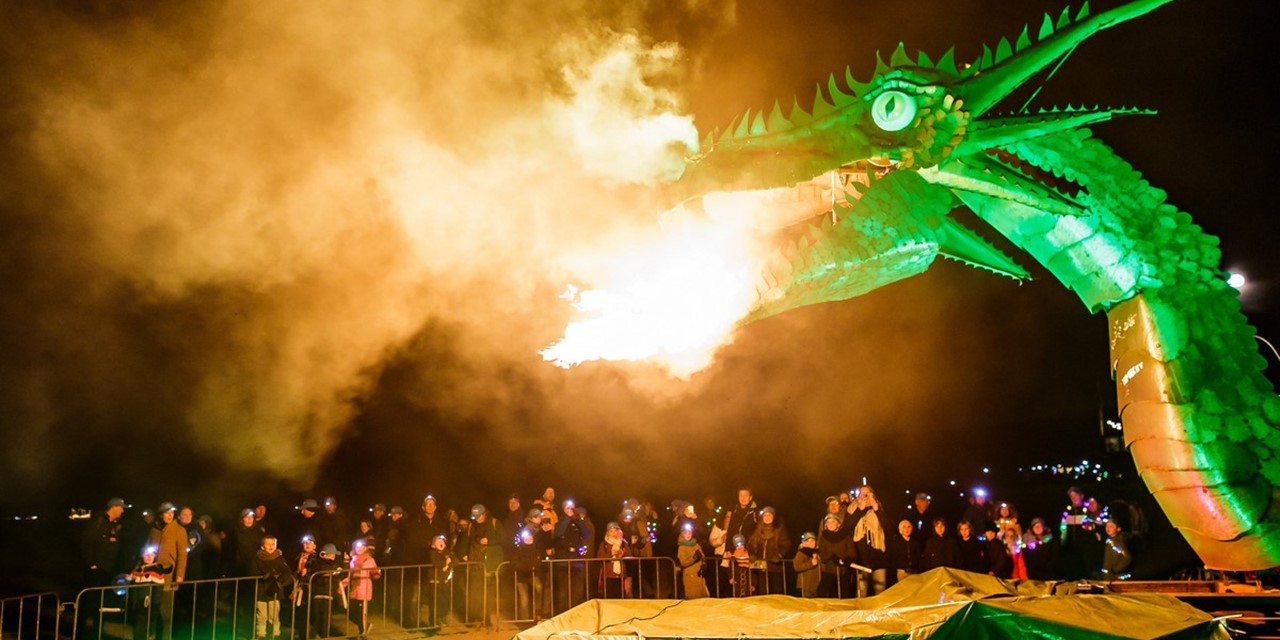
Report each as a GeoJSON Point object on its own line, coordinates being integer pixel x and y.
{"type": "Point", "coordinates": [893, 110]}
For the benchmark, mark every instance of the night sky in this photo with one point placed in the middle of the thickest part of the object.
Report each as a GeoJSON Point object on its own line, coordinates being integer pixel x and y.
{"type": "Point", "coordinates": [272, 251]}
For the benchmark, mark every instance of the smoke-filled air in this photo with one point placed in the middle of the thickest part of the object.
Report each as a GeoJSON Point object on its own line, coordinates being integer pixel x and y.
{"type": "Point", "coordinates": [296, 240]}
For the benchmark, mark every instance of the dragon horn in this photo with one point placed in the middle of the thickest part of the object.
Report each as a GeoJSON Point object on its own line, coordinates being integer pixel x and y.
{"type": "Point", "coordinates": [990, 81]}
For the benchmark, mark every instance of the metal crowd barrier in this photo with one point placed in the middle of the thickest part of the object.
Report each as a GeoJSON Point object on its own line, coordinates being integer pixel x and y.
{"type": "Point", "coordinates": [525, 596]}
{"type": "Point", "coordinates": [727, 579]}
{"type": "Point", "coordinates": [30, 617]}
{"type": "Point", "coordinates": [405, 598]}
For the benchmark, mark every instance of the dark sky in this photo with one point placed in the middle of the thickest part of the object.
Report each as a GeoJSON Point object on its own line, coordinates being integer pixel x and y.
{"type": "Point", "coordinates": [250, 249]}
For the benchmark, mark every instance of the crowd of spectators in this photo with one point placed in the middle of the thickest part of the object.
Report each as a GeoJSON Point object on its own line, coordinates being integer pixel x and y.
{"type": "Point", "coordinates": [858, 547]}
{"type": "Point", "coordinates": [856, 530]}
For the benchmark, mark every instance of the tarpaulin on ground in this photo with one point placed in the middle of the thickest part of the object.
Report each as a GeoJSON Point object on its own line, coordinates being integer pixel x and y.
{"type": "Point", "coordinates": [941, 604]}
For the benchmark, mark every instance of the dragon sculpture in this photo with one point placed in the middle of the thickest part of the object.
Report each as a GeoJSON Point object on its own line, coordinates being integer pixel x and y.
{"type": "Point", "coordinates": [920, 140]}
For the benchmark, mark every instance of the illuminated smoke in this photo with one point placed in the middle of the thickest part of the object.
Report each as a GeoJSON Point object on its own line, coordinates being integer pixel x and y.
{"type": "Point", "coordinates": [245, 209]}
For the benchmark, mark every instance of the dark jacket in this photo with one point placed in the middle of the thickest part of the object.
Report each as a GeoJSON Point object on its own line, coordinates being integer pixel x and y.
{"type": "Point", "coordinates": [940, 552]}
{"type": "Point", "coordinates": [274, 576]}
{"type": "Point", "coordinates": [100, 544]}
{"type": "Point", "coordinates": [973, 555]}
{"type": "Point", "coordinates": [903, 553]}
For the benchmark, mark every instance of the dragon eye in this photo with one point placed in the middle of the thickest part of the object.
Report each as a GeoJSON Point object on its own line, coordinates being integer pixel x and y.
{"type": "Point", "coordinates": [893, 110]}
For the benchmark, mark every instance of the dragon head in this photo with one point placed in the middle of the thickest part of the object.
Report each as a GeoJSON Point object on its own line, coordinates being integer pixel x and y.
{"type": "Point", "coordinates": [889, 160]}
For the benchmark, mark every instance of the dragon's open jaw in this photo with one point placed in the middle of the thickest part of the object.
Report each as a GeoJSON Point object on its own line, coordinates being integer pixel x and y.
{"type": "Point", "coordinates": [850, 158]}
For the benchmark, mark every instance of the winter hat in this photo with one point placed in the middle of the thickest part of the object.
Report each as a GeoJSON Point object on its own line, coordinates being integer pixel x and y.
{"type": "Point", "coordinates": [738, 540]}
{"type": "Point", "coordinates": [310, 504]}
{"type": "Point", "coordinates": [478, 510]}
{"type": "Point", "coordinates": [808, 535]}
{"type": "Point", "coordinates": [115, 502]}
{"type": "Point", "coordinates": [248, 513]}
{"type": "Point", "coordinates": [166, 506]}
{"type": "Point", "coordinates": [329, 550]}
{"type": "Point", "coordinates": [535, 512]}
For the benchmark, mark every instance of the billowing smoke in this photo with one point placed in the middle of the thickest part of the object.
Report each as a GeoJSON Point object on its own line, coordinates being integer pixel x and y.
{"type": "Point", "coordinates": [221, 221]}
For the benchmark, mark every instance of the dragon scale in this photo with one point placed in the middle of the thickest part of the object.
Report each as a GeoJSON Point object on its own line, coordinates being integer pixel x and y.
{"type": "Point", "coordinates": [918, 141]}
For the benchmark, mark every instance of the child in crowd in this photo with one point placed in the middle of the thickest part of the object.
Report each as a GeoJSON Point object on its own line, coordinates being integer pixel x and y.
{"type": "Point", "coordinates": [808, 566]}
{"type": "Point", "coordinates": [274, 579]}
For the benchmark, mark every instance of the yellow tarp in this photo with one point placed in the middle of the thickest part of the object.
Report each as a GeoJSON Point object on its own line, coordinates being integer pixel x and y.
{"type": "Point", "coordinates": [943, 603]}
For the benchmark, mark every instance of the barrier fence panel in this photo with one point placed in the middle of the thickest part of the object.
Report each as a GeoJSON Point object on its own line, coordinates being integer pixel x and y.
{"type": "Point", "coordinates": [726, 578]}
{"type": "Point", "coordinates": [333, 604]}
{"type": "Point", "coordinates": [526, 594]}
{"type": "Point", "coordinates": [30, 617]}
{"type": "Point", "coordinates": [223, 607]}
{"type": "Point", "coordinates": [426, 598]}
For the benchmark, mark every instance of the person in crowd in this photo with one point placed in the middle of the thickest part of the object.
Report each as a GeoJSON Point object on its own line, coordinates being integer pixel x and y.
{"type": "Point", "coordinates": [808, 565]}
{"type": "Point", "coordinates": [380, 521]}
{"type": "Point", "coordinates": [770, 544]}
{"type": "Point", "coordinates": [940, 550]}
{"type": "Point", "coordinates": [440, 592]}
{"type": "Point", "coordinates": [424, 528]}
{"type": "Point", "coordinates": [461, 541]}
{"type": "Point", "coordinates": [275, 580]}
{"type": "Point", "coordinates": [365, 531]}
{"type": "Point", "coordinates": [573, 542]}
{"type": "Point", "coordinates": [529, 572]}
{"type": "Point", "coordinates": [171, 554]}
{"type": "Point", "coordinates": [452, 522]}
{"type": "Point", "coordinates": [359, 586]}
{"type": "Point", "coordinates": [639, 546]}
{"type": "Point", "coordinates": [393, 545]}
{"type": "Point", "coordinates": [547, 502]}
{"type": "Point", "coordinates": [903, 552]}
{"type": "Point", "coordinates": [248, 539]}
{"type": "Point", "coordinates": [743, 518]}
{"type": "Point", "coordinates": [211, 547]}
{"type": "Point", "coordinates": [1117, 558]}
{"type": "Point", "coordinates": [100, 544]}
{"type": "Point", "coordinates": [920, 517]}
{"type": "Point", "coordinates": [838, 555]}
{"type": "Point", "coordinates": [144, 594]}
{"type": "Point", "coordinates": [1073, 529]}
{"type": "Point", "coordinates": [512, 524]}
{"type": "Point", "coordinates": [741, 567]}
{"type": "Point", "coordinates": [614, 581]}
{"type": "Point", "coordinates": [690, 557]}
{"type": "Point", "coordinates": [195, 544]}
{"type": "Point", "coordinates": [973, 551]}
{"type": "Point", "coordinates": [1039, 551]}
{"type": "Point", "coordinates": [135, 533]}
{"type": "Point", "coordinates": [303, 566]}
{"type": "Point", "coordinates": [487, 554]}
{"type": "Point", "coordinates": [999, 556]}
{"type": "Point", "coordinates": [260, 516]}
{"type": "Point", "coordinates": [334, 525]}
{"type": "Point", "coordinates": [978, 510]}
{"type": "Point", "coordinates": [307, 523]}
{"type": "Point", "coordinates": [323, 575]}
{"type": "Point", "coordinates": [869, 537]}
{"type": "Point", "coordinates": [834, 508]}
{"type": "Point", "coordinates": [1007, 518]}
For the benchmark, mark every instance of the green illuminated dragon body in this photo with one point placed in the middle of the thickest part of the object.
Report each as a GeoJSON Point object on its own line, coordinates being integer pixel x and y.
{"type": "Point", "coordinates": [920, 140]}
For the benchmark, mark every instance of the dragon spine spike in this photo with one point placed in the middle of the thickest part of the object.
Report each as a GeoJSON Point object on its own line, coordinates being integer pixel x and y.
{"type": "Point", "coordinates": [1004, 50]}
{"type": "Point", "coordinates": [776, 120]}
{"type": "Point", "coordinates": [900, 57]}
{"type": "Point", "coordinates": [743, 125]}
{"type": "Point", "coordinates": [923, 60]}
{"type": "Point", "coordinates": [948, 62]}
{"type": "Point", "coordinates": [840, 98]}
{"type": "Point", "coordinates": [757, 125]}
{"type": "Point", "coordinates": [1046, 28]}
{"type": "Point", "coordinates": [821, 108]}
{"type": "Point", "coordinates": [799, 117]}
{"type": "Point", "coordinates": [858, 88]}
{"type": "Point", "coordinates": [1024, 39]}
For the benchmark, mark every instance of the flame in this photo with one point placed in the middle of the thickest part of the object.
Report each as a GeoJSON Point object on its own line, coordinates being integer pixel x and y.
{"type": "Point", "coordinates": [671, 303]}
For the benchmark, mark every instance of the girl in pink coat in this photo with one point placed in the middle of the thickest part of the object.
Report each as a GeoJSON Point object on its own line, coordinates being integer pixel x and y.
{"type": "Point", "coordinates": [364, 570]}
